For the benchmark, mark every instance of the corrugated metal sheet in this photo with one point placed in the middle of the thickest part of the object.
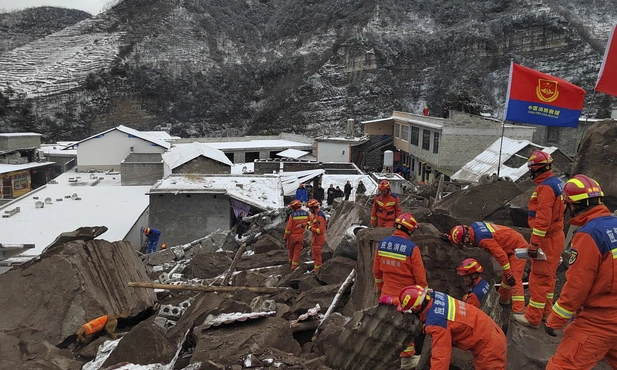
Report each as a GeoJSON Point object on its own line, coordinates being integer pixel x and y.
{"type": "Point", "coordinates": [486, 162]}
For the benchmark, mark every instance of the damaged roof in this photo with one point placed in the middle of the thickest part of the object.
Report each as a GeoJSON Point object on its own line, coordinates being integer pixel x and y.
{"type": "Point", "coordinates": [181, 154]}
{"type": "Point", "coordinates": [261, 191]}
{"type": "Point", "coordinates": [102, 202]}
{"type": "Point", "coordinates": [486, 163]}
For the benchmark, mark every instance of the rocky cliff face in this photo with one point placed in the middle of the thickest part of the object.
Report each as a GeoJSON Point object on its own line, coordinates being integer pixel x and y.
{"type": "Point", "coordinates": [244, 67]}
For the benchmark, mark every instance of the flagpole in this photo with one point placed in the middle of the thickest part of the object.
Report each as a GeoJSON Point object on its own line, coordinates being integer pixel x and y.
{"type": "Point", "coordinates": [593, 96]}
{"type": "Point", "coordinates": [503, 128]}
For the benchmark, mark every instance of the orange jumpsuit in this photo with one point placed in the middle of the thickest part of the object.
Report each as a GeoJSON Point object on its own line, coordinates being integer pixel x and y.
{"type": "Point", "coordinates": [501, 241]}
{"type": "Point", "coordinates": [452, 323]}
{"type": "Point", "coordinates": [589, 295]}
{"type": "Point", "coordinates": [294, 235]}
{"type": "Point", "coordinates": [398, 264]}
{"type": "Point", "coordinates": [477, 292]}
{"type": "Point", "coordinates": [318, 229]}
{"type": "Point", "coordinates": [385, 210]}
{"type": "Point", "coordinates": [545, 218]}
{"type": "Point", "coordinates": [96, 325]}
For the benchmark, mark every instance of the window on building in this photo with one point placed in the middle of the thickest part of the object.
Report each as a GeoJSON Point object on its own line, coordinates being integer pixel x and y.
{"type": "Point", "coordinates": [415, 136]}
{"type": "Point", "coordinates": [436, 143]}
{"type": "Point", "coordinates": [397, 131]}
{"type": "Point", "coordinates": [405, 133]}
{"type": "Point", "coordinates": [250, 157]}
{"type": "Point", "coordinates": [552, 135]}
{"type": "Point", "coordinates": [20, 181]}
{"type": "Point", "coordinates": [426, 139]}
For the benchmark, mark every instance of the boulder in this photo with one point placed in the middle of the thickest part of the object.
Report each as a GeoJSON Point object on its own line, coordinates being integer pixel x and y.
{"type": "Point", "coordinates": [268, 243]}
{"type": "Point", "coordinates": [160, 257]}
{"type": "Point", "coordinates": [208, 265]}
{"type": "Point", "coordinates": [479, 202]}
{"type": "Point", "coordinates": [275, 257]}
{"type": "Point", "coordinates": [249, 278]}
{"type": "Point", "coordinates": [335, 270]}
{"type": "Point", "coordinates": [145, 344]}
{"type": "Point", "coordinates": [326, 341]}
{"type": "Point", "coordinates": [322, 295]}
{"type": "Point", "coordinates": [91, 277]}
{"type": "Point", "coordinates": [346, 214]}
{"type": "Point", "coordinates": [230, 344]}
{"type": "Point", "coordinates": [597, 158]}
{"type": "Point", "coordinates": [26, 349]}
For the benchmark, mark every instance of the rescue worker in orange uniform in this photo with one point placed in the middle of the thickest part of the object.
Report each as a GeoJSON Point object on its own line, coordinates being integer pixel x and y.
{"type": "Point", "coordinates": [317, 226]}
{"type": "Point", "coordinates": [589, 297]}
{"type": "Point", "coordinates": [477, 287]}
{"type": "Point", "coordinates": [294, 232]}
{"type": "Point", "coordinates": [545, 218]}
{"type": "Point", "coordinates": [398, 263]}
{"type": "Point", "coordinates": [453, 323]}
{"type": "Point", "coordinates": [385, 206]}
{"type": "Point", "coordinates": [500, 241]}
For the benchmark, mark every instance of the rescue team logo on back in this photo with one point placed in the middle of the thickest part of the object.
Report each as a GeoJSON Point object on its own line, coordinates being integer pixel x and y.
{"type": "Point", "coordinates": [573, 257]}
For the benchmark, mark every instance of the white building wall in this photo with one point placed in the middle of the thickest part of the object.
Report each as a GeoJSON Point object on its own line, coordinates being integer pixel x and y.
{"type": "Point", "coordinates": [333, 152]}
{"type": "Point", "coordinates": [108, 151]}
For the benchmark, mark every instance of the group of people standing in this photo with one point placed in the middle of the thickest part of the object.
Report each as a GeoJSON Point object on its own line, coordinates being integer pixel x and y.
{"type": "Point", "coordinates": [588, 299]}
{"type": "Point", "coordinates": [320, 194]}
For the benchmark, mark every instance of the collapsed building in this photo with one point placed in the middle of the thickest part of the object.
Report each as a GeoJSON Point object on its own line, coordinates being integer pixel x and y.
{"type": "Point", "coordinates": [223, 302]}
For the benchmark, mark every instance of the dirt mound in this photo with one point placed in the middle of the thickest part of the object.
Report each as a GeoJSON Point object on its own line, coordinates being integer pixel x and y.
{"type": "Point", "coordinates": [597, 158]}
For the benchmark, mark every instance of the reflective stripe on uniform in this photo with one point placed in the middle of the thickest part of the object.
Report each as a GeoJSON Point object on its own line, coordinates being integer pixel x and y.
{"type": "Point", "coordinates": [505, 286]}
{"type": "Point", "coordinates": [396, 256]}
{"type": "Point", "coordinates": [534, 195]}
{"type": "Point", "coordinates": [614, 251]}
{"type": "Point", "coordinates": [550, 295]}
{"type": "Point", "coordinates": [506, 266]}
{"type": "Point", "coordinates": [562, 312]}
{"type": "Point", "coordinates": [518, 298]}
{"type": "Point", "coordinates": [536, 304]}
{"type": "Point", "coordinates": [378, 280]}
{"type": "Point", "coordinates": [410, 349]}
{"type": "Point", "coordinates": [451, 308]}
{"type": "Point", "coordinates": [539, 233]}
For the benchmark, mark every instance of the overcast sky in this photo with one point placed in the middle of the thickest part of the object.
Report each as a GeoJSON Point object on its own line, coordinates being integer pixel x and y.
{"type": "Point", "coordinates": [90, 6]}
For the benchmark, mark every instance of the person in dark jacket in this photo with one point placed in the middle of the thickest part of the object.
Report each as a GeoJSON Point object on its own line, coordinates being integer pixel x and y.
{"type": "Point", "coordinates": [331, 196]}
{"type": "Point", "coordinates": [361, 188]}
{"type": "Point", "coordinates": [347, 190]}
{"type": "Point", "coordinates": [319, 193]}
{"type": "Point", "coordinates": [241, 225]}
{"type": "Point", "coordinates": [338, 193]}
{"type": "Point", "coordinates": [301, 194]}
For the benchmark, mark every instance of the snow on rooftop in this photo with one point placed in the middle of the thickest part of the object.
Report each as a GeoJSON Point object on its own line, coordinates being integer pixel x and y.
{"type": "Point", "coordinates": [5, 168]}
{"type": "Point", "coordinates": [262, 191]}
{"type": "Point", "coordinates": [161, 135]}
{"type": "Point", "coordinates": [103, 203]}
{"type": "Point", "coordinates": [242, 168]}
{"type": "Point", "coordinates": [253, 144]}
{"type": "Point", "coordinates": [57, 149]}
{"type": "Point", "coordinates": [292, 153]}
{"type": "Point", "coordinates": [486, 163]}
{"type": "Point", "coordinates": [179, 155]}
{"type": "Point", "coordinates": [132, 132]}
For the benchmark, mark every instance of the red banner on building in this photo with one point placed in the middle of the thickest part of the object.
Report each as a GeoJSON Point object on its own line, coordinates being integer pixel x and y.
{"type": "Point", "coordinates": [607, 79]}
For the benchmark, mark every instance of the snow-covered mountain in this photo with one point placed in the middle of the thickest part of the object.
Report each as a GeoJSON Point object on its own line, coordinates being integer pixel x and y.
{"type": "Point", "coordinates": [250, 66]}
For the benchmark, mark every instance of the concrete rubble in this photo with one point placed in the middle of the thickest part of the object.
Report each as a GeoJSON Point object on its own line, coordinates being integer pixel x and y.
{"type": "Point", "coordinates": [46, 300]}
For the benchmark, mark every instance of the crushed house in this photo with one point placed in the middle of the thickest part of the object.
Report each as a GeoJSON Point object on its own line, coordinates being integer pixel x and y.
{"type": "Point", "coordinates": [432, 145]}
{"type": "Point", "coordinates": [22, 165]}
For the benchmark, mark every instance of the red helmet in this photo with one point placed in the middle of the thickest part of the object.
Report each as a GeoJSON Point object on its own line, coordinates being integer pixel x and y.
{"type": "Point", "coordinates": [164, 246]}
{"type": "Point", "coordinates": [469, 266]}
{"type": "Point", "coordinates": [457, 234]}
{"type": "Point", "coordinates": [295, 204]}
{"type": "Point", "coordinates": [313, 203]}
{"type": "Point", "coordinates": [147, 230]}
{"type": "Point", "coordinates": [411, 298]}
{"type": "Point", "coordinates": [384, 185]}
{"type": "Point", "coordinates": [581, 187]}
{"type": "Point", "coordinates": [539, 159]}
{"type": "Point", "coordinates": [406, 222]}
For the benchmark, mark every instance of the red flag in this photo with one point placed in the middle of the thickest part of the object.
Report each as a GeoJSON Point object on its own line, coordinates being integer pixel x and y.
{"type": "Point", "coordinates": [607, 80]}
{"type": "Point", "coordinates": [540, 99]}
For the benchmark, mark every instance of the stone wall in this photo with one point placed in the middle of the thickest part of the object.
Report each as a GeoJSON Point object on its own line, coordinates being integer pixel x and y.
{"type": "Point", "coordinates": [142, 169]}
{"type": "Point", "coordinates": [186, 217]}
{"type": "Point", "coordinates": [203, 165]}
